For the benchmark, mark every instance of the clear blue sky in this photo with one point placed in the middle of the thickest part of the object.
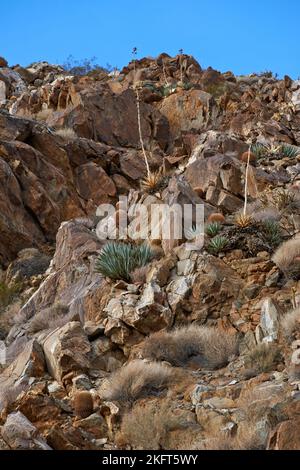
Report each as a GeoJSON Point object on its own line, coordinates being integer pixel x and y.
{"type": "Point", "coordinates": [239, 35]}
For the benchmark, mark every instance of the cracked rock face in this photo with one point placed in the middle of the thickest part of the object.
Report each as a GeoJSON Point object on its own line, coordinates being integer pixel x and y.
{"type": "Point", "coordinates": [200, 348]}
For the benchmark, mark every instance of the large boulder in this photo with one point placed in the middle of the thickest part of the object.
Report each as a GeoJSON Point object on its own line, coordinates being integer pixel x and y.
{"type": "Point", "coordinates": [16, 378]}
{"type": "Point", "coordinates": [192, 110]}
{"type": "Point", "coordinates": [66, 350]}
{"type": "Point", "coordinates": [20, 434]}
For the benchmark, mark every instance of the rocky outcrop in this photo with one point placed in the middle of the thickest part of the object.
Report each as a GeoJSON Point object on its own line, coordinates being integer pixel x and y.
{"type": "Point", "coordinates": [215, 314]}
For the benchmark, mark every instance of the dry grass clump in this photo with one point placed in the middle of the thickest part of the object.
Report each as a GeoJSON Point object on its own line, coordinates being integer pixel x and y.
{"type": "Point", "coordinates": [148, 425]}
{"type": "Point", "coordinates": [135, 380]}
{"type": "Point", "coordinates": [262, 358]}
{"type": "Point", "coordinates": [287, 257]}
{"type": "Point", "coordinates": [51, 317]}
{"type": "Point", "coordinates": [193, 345]}
{"type": "Point", "coordinates": [66, 133]}
{"type": "Point", "coordinates": [290, 325]}
{"type": "Point", "coordinates": [8, 293]}
{"type": "Point", "coordinates": [248, 439]}
{"type": "Point", "coordinates": [7, 317]}
{"type": "Point", "coordinates": [44, 114]}
{"type": "Point", "coordinates": [139, 275]}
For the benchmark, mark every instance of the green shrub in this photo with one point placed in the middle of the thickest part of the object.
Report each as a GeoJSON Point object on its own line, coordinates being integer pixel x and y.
{"type": "Point", "coordinates": [118, 260]}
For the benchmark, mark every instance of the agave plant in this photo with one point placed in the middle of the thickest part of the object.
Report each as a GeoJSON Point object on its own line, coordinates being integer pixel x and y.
{"type": "Point", "coordinates": [271, 230]}
{"type": "Point", "coordinates": [217, 244]}
{"type": "Point", "coordinates": [193, 232]}
{"type": "Point", "coordinates": [243, 220]}
{"type": "Point", "coordinates": [289, 151]}
{"type": "Point", "coordinates": [118, 260]}
{"type": "Point", "coordinates": [259, 150]}
{"type": "Point", "coordinates": [152, 181]}
{"type": "Point", "coordinates": [213, 229]}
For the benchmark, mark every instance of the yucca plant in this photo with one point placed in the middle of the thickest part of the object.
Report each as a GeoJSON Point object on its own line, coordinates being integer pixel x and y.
{"type": "Point", "coordinates": [243, 220]}
{"type": "Point", "coordinates": [151, 181]}
{"type": "Point", "coordinates": [289, 151]}
{"type": "Point", "coordinates": [271, 230]}
{"type": "Point", "coordinates": [118, 260]}
{"type": "Point", "coordinates": [259, 150]}
{"type": "Point", "coordinates": [213, 229]}
{"type": "Point", "coordinates": [193, 232]}
{"type": "Point", "coordinates": [217, 244]}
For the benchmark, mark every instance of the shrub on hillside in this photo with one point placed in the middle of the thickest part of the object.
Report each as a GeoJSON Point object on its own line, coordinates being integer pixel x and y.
{"type": "Point", "coordinates": [262, 358]}
{"type": "Point", "coordinates": [135, 380]}
{"type": "Point", "coordinates": [290, 324]}
{"type": "Point", "coordinates": [204, 346]}
{"type": "Point", "coordinates": [8, 293]}
{"type": "Point", "coordinates": [287, 257]}
{"type": "Point", "coordinates": [149, 424]}
{"type": "Point", "coordinates": [49, 318]}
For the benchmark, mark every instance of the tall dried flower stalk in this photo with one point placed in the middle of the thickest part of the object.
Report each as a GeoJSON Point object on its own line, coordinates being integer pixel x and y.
{"type": "Point", "coordinates": [134, 53]}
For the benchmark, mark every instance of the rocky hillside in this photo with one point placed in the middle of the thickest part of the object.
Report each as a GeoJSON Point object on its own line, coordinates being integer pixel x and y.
{"type": "Point", "coordinates": [196, 349]}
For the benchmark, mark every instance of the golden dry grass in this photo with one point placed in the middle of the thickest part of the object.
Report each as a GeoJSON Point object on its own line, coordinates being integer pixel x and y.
{"type": "Point", "coordinates": [290, 324]}
{"type": "Point", "coordinates": [155, 425]}
{"type": "Point", "coordinates": [66, 133]}
{"type": "Point", "coordinates": [285, 257]}
{"type": "Point", "coordinates": [49, 318]}
{"type": "Point", "coordinates": [138, 379]}
{"type": "Point", "coordinates": [262, 358]}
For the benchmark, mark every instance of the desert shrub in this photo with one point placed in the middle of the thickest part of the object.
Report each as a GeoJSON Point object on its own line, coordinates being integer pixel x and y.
{"type": "Point", "coordinates": [217, 244]}
{"type": "Point", "coordinates": [49, 318]}
{"type": "Point", "coordinates": [290, 324]}
{"type": "Point", "coordinates": [286, 257]}
{"type": "Point", "coordinates": [271, 232]}
{"type": "Point", "coordinates": [135, 380]}
{"type": "Point", "coordinates": [207, 347]}
{"type": "Point", "coordinates": [118, 260]}
{"type": "Point", "coordinates": [84, 66]}
{"type": "Point", "coordinates": [213, 229]}
{"type": "Point", "coordinates": [139, 275]}
{"type": "Point", "coordinates": [148, 424]}
{"type": "Point", "coordinates": [262, 358]}
{"type": "Point", "coordinates": [8, 293]}
{"type": "Point", "coordinates": [44, 114]}
{"type": "Point", "coordinates": [66, 133]}
{"type": "Point", "coordinates": [248, 439]}
{"type": "Point", "coordinates": [283, 200]}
